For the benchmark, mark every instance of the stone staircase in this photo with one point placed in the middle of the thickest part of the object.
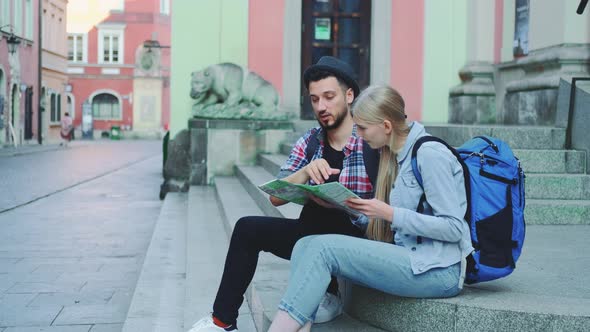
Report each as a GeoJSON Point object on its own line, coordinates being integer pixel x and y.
{"type": "Point", "coordinates": [549, 291]}
{"type": "Point", "coordinates": [557, 186]}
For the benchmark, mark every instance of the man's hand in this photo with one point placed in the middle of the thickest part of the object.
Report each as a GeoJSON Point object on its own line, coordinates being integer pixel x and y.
{"type": "Point", "coordinates": [322, 202]}
{"type": "Point", "coordinates": [277, 201]}
{"type": "Point", "coordinates": [372, 208]}
{"type": "Point", "coordinates": [319, 170]}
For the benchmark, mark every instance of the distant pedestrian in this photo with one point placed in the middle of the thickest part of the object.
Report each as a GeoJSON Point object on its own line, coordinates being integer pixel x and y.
{"type": "Point", "coordinates": [67, 129]}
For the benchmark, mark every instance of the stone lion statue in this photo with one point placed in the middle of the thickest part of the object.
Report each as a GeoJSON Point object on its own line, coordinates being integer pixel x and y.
{"type": "Point", "coordinates": [226, 90]}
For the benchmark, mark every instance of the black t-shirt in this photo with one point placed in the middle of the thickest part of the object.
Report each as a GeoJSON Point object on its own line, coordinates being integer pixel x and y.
{"type": "Point", "coordinates": [317, 215]}
{"type": "Point", "coordinates": [335, 159]}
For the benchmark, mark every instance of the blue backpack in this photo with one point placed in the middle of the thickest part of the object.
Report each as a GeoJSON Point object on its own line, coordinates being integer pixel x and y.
{"type": "Point", "coordinates": [494, 184]}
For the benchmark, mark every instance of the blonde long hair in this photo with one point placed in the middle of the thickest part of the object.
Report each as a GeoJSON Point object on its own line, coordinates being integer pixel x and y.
{"type": "Point", "coordinates": [373, 106]}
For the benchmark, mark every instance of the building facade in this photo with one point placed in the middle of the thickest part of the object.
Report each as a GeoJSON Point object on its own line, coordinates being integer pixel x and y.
{"type": "Point", "coordinates": [19, 68]}
{"type": "Point", "coordinates": [448, 59]}
{"type": "Point", "coordinates": [119, 71]}
{"type": "Point", "coordinates": [54, 77]}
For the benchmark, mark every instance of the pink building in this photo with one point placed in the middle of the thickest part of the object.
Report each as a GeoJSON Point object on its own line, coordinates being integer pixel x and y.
{"type": "Point", "coordinates": [19, 72]}
{"type": "Point", "coordinates": [120, 69]}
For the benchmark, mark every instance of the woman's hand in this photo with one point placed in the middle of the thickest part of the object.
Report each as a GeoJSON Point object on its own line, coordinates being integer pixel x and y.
{"type": "Point", "coordinates": [372, 208]}
{"type": "Point", "coordinates": [319, 170]}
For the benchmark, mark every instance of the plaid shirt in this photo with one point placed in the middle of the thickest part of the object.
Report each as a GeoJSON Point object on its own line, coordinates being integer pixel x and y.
{"type": "Point", "coordinates": [353, 174]}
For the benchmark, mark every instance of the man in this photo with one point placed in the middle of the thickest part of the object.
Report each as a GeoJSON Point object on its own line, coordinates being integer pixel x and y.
{"type": "Point", "coordinates": [338, 156]}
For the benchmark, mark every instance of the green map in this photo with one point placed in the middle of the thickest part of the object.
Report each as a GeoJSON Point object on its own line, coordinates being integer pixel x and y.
{"type": "Point", "coordinates": [333, 192]}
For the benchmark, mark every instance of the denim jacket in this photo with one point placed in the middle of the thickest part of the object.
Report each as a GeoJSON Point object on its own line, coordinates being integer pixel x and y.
{"type": "Point", "coordinates": [438, 237]}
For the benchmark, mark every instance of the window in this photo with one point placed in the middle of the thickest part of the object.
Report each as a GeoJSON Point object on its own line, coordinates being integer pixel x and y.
{"type": "Point", "coordinates": [55, 107]}
{"type": "Point", "coordinates": [77, 48]}
{"type": "Point", "coordinates": [110, 45]}
{"type": "Point", "coordinates": [110, 48]}
{"type": "Point", "coordinates": [29, 20]}
{"type": "Point", "coordinates": [105, 106]}
{"type": "Point", "coordinates": [165, 7]}
{"type": "Point", "coordinates": [4, 12]}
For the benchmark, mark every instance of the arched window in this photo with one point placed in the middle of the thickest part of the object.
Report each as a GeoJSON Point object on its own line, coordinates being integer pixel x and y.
{"type": "Point", "coordinates": [105, 106]}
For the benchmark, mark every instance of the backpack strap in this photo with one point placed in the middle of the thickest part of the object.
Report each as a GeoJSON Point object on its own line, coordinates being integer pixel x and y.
{"type": "Point", "coordinates": [417, 146]}
{"type": "Point", "coordinates": [370, 157]}
{"type": "Point", "coordinates": [418, 176]}
{"type": "Point", "coordinates": [312, 146]}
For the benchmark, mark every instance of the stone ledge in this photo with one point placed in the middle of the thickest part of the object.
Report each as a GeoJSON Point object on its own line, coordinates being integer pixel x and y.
{"type": "Point", "coordinates": [239, 124]}
{"type": "Point", "coordinates": [472, 310]}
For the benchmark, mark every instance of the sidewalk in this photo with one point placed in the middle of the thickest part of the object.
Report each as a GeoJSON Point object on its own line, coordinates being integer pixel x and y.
{"type": "Point", "coordinates": [10, 150]}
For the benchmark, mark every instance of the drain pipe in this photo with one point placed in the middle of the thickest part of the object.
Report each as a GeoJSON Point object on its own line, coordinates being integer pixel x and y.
{"type": "Point", "coordinates": [39, 68]}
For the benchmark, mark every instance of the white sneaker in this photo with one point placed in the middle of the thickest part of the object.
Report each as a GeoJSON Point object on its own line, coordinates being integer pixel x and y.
{"type": "Point", "coordinates": [330, 308]}
{"type": "Point", "coordinates": [206, 324]}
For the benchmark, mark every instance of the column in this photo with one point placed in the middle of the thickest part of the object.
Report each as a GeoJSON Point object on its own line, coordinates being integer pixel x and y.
{"type": "Point", "coordinates": [473, 101]}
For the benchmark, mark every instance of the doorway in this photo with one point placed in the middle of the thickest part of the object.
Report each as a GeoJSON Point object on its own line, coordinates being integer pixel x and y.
{"type": "Point", "coordinates": [340, 28]}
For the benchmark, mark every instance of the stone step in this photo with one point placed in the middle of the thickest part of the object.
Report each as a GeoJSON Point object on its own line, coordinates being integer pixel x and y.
{"type": "Point", "coordinates": [272, 273]}
{"type": "Point", "coordinates": [286, 146]}
{"type": "Point", "coordinates": [540, 149]}
{"type": "Point", "coordinates": [272, 163]}
{"type": "Point", "coordinates": [206, 248]}
{"type": "Point", "coordinates": [518, 137]}
{"type": "Point", "coordinates": [159, 296]}
{"type": "Point", "coordinates": [253, 176]}
{"type": "Point", "coordinates": [557, 212]}
{"type": "Point", "coordinates": [558, 186]}
{"type": "Point", "coordinates": [569, 190]}
{"type": "Point", "coordinates": [548, 291]}
{"type": "Point", "coordinates": [552, 161]}
{"type": "Point", "coordinates": [532, 161]}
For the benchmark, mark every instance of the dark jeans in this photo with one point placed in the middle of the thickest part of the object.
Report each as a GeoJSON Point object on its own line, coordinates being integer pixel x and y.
{"type": "Point", "coordinates": [275, 235]}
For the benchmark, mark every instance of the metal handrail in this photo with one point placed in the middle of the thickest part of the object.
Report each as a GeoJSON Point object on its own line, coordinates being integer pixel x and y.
{"type": "Point", "coordinates": [570, 116]}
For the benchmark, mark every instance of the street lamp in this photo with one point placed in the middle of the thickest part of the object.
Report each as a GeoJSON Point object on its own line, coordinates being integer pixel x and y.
{"type": "Point", "coordinates": [12, 41]}
{"type": "Point", "coordinates": [150, 43]}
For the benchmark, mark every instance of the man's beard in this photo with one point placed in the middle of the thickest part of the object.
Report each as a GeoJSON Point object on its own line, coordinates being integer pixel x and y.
{"type": "Point", "coordinates": [337, 121]}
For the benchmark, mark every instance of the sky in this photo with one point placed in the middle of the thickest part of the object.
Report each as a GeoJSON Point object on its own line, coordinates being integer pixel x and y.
{"type": "Point", "coordinates": [84, 14]}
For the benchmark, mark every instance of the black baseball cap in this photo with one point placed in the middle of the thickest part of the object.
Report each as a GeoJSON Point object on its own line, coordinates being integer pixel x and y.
{"type": "Point", "coordinates": [335, 66]}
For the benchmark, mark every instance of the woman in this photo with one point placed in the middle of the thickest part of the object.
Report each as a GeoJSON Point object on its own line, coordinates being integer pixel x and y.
{"type": "Point", "coordinates": [67, 129]}
{"type": "Point", "coordinates": [407, 253]}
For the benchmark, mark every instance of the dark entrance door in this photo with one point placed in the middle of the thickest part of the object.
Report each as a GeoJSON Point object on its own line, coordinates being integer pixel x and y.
{"type": "Point", "coordinates": [341, 28]}
{"type": "Point", "coordinates": [29, 113]}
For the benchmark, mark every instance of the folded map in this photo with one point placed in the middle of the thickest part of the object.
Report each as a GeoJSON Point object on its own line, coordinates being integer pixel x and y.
{"type": "Point", "coordinates": [332, 192]}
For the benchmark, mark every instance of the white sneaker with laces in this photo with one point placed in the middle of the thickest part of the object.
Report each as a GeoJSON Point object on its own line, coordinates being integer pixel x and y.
{"type": "Point", "coordinates": [206, 324]}
{"type": "Point", "coordinates": [330, 308]}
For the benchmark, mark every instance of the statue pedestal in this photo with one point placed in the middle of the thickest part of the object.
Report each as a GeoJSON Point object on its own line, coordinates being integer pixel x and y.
{"type": "Point", "coordinates": [216, 146]}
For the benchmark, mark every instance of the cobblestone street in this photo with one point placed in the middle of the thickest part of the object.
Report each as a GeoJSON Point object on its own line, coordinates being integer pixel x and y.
{"type": "Point", "coordinates": [74, 230]}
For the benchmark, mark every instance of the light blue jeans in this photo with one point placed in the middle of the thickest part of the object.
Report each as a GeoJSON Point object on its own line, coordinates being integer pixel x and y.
{"type": "Point", "coordinates": [372, 264]}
